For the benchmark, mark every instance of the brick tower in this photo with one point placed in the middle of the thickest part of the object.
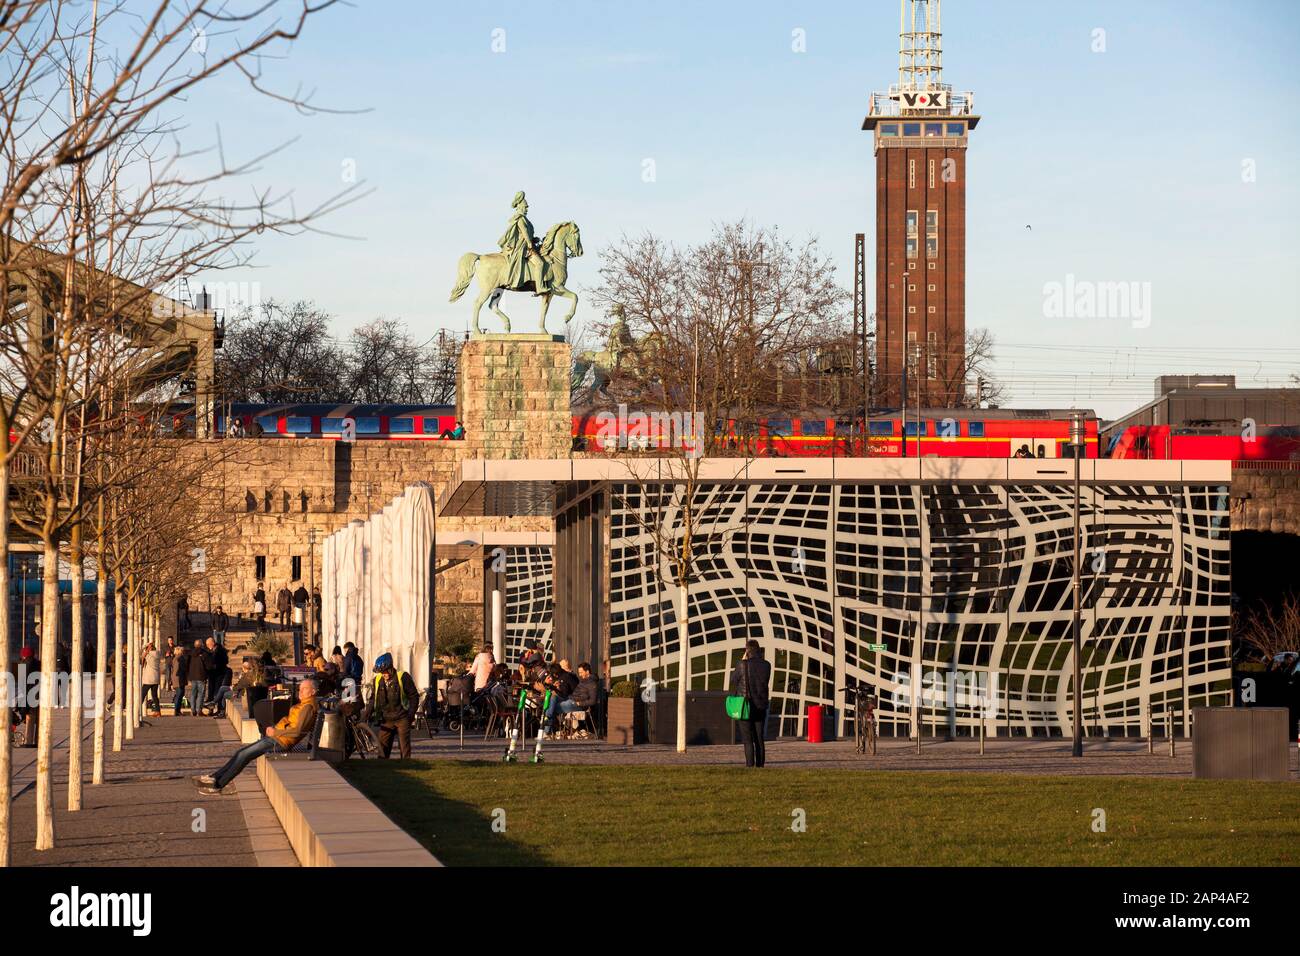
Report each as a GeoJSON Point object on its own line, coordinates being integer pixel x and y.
{"type": "Point", "coordinates": [921, 128]}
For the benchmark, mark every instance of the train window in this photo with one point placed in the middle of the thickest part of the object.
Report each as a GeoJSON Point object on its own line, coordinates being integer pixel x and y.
{"type": "Point", "coordinates": [298, 424]}
{"type": "Point", "coordinates": [814, 427]}
{"type": "Point", "coordinates": [331, 426]}
{"type": "Point", "coordinates": [976, 429]}
{"type": "Point", "coordinates": [927, 428]}
{"type": "Point", "coordinates": [368, 425]}
{"type": "Point", "coordinates": [882, 428]}
{"type": "Point", "coordinates": [269, 423]}
{"type": "Point", "coordinates": [398, 426]}
{"type": "Point", "coordinates": [779, 427]}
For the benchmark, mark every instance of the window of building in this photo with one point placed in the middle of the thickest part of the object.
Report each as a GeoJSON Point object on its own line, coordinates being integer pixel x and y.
{"type": "Point", "coordinates": [932, 353]}
{"type": "Point", "coordinates": [932, 247]}
{"type": "Point", "coordinates": [888, 129]}
{"type": "Point", "coordinates": [956, 129]}
{"type": "Point", "coordinates": [912, 222]}
{"type": "Point", "coordinates": [912, 246]}
{"type": "Point", "coordinates": [911, 129]}
{"type": "Point", "coordinates": [933, 129]}
{"type": "Point", "coordinates": [932, 233]}
{"type": "Point", "coordinates": [911, 308]}
{"type": "Point", "coordinates": [911, 287]}
{"type": "Point", "coordinates": [931, 310]}
{"type": "Point", "coordinates": [931, 265]}
{"type": "Point", "coordinates": [259, 567]}
{"type": "Point", "coordinates": [295, 564]}
{"type": "Point", "coordinates": [931, 287]}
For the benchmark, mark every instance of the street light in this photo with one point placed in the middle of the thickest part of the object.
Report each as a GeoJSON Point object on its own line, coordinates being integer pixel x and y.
{"type": "Point", "coordinates": [1076, 447]}
{"type": "Point", "coordinates": [904, 396]}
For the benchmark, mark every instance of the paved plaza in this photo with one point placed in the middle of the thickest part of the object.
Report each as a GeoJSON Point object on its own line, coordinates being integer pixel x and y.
{"type": "Point", "coordinates": [143, 814]}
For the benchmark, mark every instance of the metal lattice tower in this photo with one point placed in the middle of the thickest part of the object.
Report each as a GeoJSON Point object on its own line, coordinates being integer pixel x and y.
{"type": "Point", "coordinates": [920, 52]}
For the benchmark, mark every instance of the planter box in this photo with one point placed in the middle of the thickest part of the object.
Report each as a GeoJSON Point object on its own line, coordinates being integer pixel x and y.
{"type": "Point", "coordinates": [625, 721]}
{"type": "Point", "coordinates": [706, 719]}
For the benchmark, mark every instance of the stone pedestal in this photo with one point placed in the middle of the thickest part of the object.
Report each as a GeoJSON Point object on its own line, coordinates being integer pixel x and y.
{"type": "Point", "coordinates": [512, 395]}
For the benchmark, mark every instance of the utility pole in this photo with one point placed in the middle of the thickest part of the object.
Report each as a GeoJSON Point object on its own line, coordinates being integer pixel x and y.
{"type": "Point", "coordinates": [905, 359]}
{"type": "Point", "coordinates": [1077, 443]}
{"type": "Point", "coordinates": [311, 587]}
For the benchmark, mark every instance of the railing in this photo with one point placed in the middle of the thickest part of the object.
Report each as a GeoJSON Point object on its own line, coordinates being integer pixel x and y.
{"type": "Point", "coordinates": [1260, 464]}
{"type": "Point", "coordinates": [27, 465]}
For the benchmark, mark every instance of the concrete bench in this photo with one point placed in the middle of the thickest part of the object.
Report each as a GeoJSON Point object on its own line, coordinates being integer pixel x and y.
{"type": "Point", "coordinates": [328, 821]}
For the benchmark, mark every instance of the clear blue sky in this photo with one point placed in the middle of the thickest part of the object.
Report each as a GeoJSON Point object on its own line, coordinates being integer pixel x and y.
{"type": "Point", "coordinates": [1127, 163]}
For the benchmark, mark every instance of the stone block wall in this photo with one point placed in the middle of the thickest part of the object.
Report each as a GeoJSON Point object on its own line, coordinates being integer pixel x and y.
{"type": "Point", "coordinates": [1266, 501]}
{"type": "Point", "coordinates": [513, 397]}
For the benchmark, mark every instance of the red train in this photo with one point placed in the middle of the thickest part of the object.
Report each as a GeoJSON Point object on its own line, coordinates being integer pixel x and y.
{"type": "Point", "coordinates": [1165, 442]}
{"type": "Point", "coordinates": [949, 434]}
{"type": "Point", "coordinates": [959, 433]}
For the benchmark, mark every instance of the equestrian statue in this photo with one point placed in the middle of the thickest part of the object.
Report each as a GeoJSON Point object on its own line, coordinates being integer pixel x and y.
{"type": "Point", "coordinates": [522, 265]}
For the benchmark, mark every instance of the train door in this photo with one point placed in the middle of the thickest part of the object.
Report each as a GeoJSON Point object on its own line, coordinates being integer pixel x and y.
{"type": "Point", "coordinates": [1044, 446]}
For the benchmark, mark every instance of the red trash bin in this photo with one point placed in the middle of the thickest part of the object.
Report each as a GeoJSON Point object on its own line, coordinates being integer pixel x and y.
{"type": "Point", "coordinates": [814, 723]}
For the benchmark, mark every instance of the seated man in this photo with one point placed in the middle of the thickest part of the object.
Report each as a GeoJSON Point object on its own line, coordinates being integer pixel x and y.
{"type": "Point", "coordinates": [585, 694]}
{"type": "Point", "coordinates": [561, 685]}
{"type": "Point", "coordinates": [282, 737]}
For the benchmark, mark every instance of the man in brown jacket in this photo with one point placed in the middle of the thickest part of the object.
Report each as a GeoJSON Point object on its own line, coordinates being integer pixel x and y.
{"type": "Point", "coordinates": [282, 737]}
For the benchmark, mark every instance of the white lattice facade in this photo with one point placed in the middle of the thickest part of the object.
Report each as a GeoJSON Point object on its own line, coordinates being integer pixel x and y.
{"type": "Point", "coordinates": [967, 585]}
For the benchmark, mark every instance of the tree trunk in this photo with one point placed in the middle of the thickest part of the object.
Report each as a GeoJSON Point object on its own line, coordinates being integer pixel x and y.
{"type": "Point", "coordinates": [49, 683]}
{"type": "Point", "coordinates": [101, 663]}
{"type": "Point", "coordinates": [683, 663]}
{"type": "Point", "coordinates": [5, 737]}
{"type": "Point", "coordinates": [119, 665]}
{"type": "Point", "coordinates": [75, 702]}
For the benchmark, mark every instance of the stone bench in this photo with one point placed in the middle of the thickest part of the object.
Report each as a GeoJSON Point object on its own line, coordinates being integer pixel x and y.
{"type": "Point", "coordinates": [328, 821]}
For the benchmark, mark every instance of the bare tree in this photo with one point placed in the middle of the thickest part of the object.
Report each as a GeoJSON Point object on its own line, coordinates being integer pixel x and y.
{"type": "Point", "coordinates": [1266, 631]}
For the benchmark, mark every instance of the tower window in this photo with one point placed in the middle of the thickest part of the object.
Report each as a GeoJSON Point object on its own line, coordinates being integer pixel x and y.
{"type": "Point", "coordinates": [259, 567]}
{"type": "Point", "coordinates": [295, 567]}
{"type": "Point", "coordinates": [911, 129]}
{"type": "Point", "coordinates": [933, 129]}
{"type": "Point", "coordinates": [932, 247]}
{"type": "Point", "coordinates": [956, 129]}
{"type": "Point", "coordinates": [911, 249]}
{"type": "Point", "coordinates": [888, 129]}
{"type": "Point", "coordinates": [911, 223]}
{"type": "Point", "coordinates": [932, 353]}
{"type": "Point", "coordinates": [911, 174]}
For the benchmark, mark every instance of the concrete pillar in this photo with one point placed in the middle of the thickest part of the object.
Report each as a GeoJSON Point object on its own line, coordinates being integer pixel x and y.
{"type": "Point", "coordinates": [499, 624]}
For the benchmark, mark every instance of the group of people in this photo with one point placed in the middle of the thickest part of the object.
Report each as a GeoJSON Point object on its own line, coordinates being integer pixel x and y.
{"type": "Point", "coordinates": [199, 675]}
{"type": "Point", "coordinates": [285, 602]}
{"type": "Point", "coordinates": [570, 690]}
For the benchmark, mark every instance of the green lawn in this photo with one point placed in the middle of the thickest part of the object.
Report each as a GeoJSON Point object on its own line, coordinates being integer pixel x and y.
{"type": "Point", "coordinates": [699, 816]}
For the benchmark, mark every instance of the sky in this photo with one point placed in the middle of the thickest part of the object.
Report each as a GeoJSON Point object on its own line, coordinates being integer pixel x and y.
{"type": "Point", "coordinates": [1146, 143]}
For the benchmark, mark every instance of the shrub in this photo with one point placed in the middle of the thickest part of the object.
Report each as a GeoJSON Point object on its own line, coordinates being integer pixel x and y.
{"type": "Point", "coordinates": [624, 688]}
{"type": "Point", "coordinates": [264, 641]}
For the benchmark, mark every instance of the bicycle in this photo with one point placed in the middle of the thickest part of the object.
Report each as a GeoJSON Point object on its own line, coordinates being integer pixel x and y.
{"type": "Point", "coordinates": [864, 718]}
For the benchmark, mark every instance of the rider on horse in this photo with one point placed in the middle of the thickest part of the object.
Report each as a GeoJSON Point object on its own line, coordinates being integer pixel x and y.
{"type": "Point", "coordinates": [519, 245]}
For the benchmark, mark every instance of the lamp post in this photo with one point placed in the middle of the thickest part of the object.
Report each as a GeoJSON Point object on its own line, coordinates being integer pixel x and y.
{"type": "Point", "coordinates": [311, 585]}
{"type": "Point", "coordinates": [1077, 445]}
{"type": "Point", "coordinates": [904, 395]}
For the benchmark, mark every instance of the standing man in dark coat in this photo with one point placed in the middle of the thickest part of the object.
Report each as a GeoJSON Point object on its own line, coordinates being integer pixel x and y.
{"type": "Point", "coordinates": [218, 666]}
{"type": "Point", "coordinates": [750, 680]}
{"type": "Point", "coordinates": [283, 601]}
{"type": "Point", "coordinates": [196, 668]}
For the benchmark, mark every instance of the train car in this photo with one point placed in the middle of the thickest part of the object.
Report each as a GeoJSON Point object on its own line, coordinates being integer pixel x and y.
{"type": "Point", "coordinates": [935, 435]}
{"type": "Point", "coordinates": [331, 422]}
{"type": "Point", "coordinates": [1215, 443]}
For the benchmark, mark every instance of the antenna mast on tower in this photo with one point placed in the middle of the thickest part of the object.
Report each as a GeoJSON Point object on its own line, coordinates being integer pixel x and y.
{"type": "Point", "coordinates": [920, 52]}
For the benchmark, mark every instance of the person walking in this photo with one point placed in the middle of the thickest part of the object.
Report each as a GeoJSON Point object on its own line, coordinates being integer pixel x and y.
{"type": "Point", "coordinates": [168, 663]}
{"type": "Point", "coordinates": [259, 604]}
{"type": "Point", "coordinates": [315, 608]}
{"type": "Point", "coordinates": [180, 671]}
{"type": "Point", "coordinates": [150, 672]}
{"type": "Point", "coordinates": [283, 601]}
{"type": "Point", "coordinates": [392, 704]}
{"type": "Point", "coordinates": [750, 680]}
{"type": "Point", "coordinates": [218, 668]}
{"type": "Point", "coordinates": [220, 624]}
{"type": "Point", "coordinates": [182, 613]}
{"type": "Point", "coordinates": [196, 672]}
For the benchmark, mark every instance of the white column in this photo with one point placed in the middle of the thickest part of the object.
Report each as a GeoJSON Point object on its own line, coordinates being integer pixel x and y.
{"type": "Point", "coordinates": [499, 624]}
